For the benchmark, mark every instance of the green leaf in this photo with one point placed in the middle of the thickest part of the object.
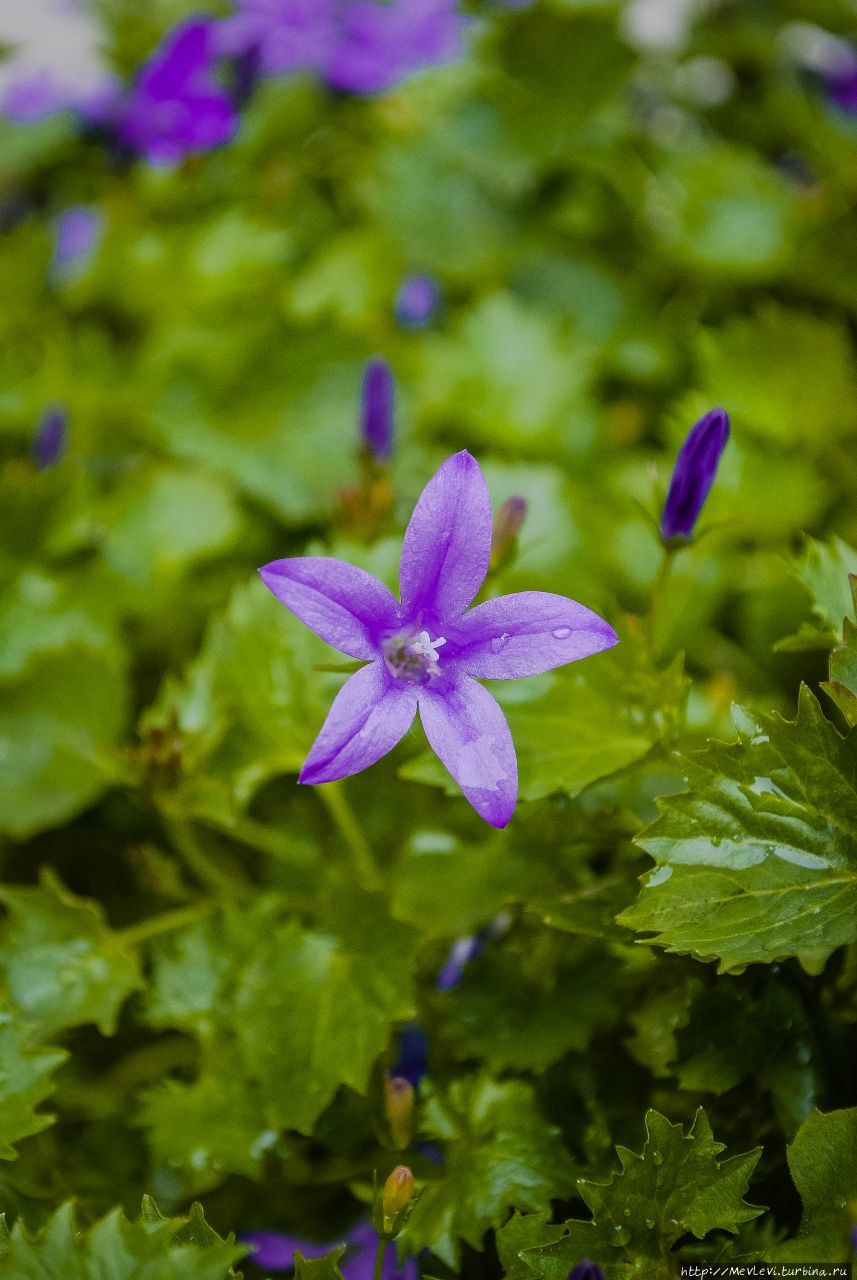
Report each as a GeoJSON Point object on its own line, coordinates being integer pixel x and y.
{"type": "Point", "coordinates": [326, 1268]}
{"type": "Point", "coordinates": [842, 685]}
{"type": "Point", "coordinates": [826, 572]}
{"type": "Point", "coordinates": [500, 1154]}
{"type": "Point", "coordinates": [25, 1081]}
{"type": "Point", "coordinates": [64, 966]}
{"type": "Point", "coordinates": [674, 1187]}
{"type": "Point", "coordinates": [758, 860]}
{"type": "Point", "coordinates": [524, 1231]}
{"type": "Point", "coordinates": [152, 1248]}
{"type": "Point", "coordinates": [823, 1164]}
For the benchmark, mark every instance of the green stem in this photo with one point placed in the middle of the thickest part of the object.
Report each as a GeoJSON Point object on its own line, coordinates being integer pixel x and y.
{"type": "Point", "coordinates": [379, 1257]}
{"type": "Point", "coordinates": [209, 873]}
{"type": "Point", "coordinates": [165, 923]}
{"type": "Point", "coordinates": [333, 796]}
{"type": "Point", "coordinates": [657, 597]}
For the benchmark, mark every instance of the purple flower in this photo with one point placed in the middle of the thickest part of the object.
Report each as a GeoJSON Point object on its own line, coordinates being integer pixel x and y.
{"type": "Point", "coordinates": [469, 948]}
{"type": "Point", "coordinates": [417, 301]}
{"type": "Point", "coordinates": [176, 106]}
{"type": "Point", "coordinates": [842, 86]}
{"type": "Point", "coordinates": [273, 1251]}
{"type": "Point", "coordinates": [376, 416]}
{"type": "Point", "coordinates": [693, 475]}
{"type": "Point", "coordinates": [49, 438]}
{"type": "Point", "coordinates": [411, 1064]}
{"type": "Point", "coordinates": [78, 230]}
{"type": "Point", "coordinates": [428, 653]}
{"type": "Point", "coordinates": [586, 1270]}
{"type": "Point", "coordinates": [359, 46]}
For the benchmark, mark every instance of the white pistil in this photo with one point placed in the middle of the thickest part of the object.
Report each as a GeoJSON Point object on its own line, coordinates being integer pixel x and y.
{"type": "Point", "coordinates": [427, 648]}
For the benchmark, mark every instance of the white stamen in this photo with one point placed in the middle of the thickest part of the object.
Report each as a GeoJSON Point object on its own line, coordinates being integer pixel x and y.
{"type": "Point", "coordinates": [426, 647]}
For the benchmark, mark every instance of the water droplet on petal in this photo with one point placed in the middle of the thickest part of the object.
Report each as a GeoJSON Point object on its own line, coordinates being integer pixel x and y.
{"type": "Point", "coordinates": [561, 633]}
{"type": "Point", "coordinates": [498, 644]}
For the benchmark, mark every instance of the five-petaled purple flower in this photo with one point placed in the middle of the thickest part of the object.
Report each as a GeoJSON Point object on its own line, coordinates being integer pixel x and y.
{"type": "Point", "coordinates": [429, 651]}
{"type": "Point", "coordinates": [176, 106]}
{"type": "Point", "coordinates": [417, 301]}
{"type": "Point", "coordinates": [376, 410]}
{"type": "Point", "coordinates": [358, 46]}
{"type": "Point", "coordinates": [274, 1251]}
{"type": "Point", "coordinates": [693, 474]}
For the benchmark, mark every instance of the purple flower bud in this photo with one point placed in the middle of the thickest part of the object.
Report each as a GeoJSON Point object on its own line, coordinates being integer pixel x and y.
{"type": "Point", "coordinates": [411, 1063]}
{"type": "Point", "coordinates": [463, 950]}
{"type": "Point", "coordinates": [49, 438]}
{"type": "Point", "coordinates": [78, 230]}
{"type": "Point", "coordinates": [376, 422]}
{"type": "Point", "coordinates": [693, 474]}
{"type": "Point", "coordinates": [417, 301]}
{"type": "Point", "coordinates": [586, 1270]}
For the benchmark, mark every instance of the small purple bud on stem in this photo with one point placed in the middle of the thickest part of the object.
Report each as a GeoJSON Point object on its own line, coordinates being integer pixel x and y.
{"type": "Point", "coordinates": [396, 1197]}
{"type": "Point", "coordinates": [508, 523]}
{"type": "Point", "coordinates": [376, 419]}
{"type": "Point", "coordinates": [693, 475]}
{"type": "Point", "coordinates": [399, 1110]}
{"type": "Point", "coordinates": [49, 439]}
{"type": "Point", "coordinates": [417, 302]}
{"type": "Point", "coordinates": [586, 1270]}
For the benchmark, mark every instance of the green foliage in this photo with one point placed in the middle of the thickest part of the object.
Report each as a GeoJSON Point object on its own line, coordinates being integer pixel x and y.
{"type": "Point", "coordinates": [758, 860]}
{"type": "Point", "coordinates": [825, 571]}
{"type": "Point", "coordinates": [674, 1187]}
{"type": "Point", "coordinates": [152, 1248]}
{"type": "Point", "coordinates": [500, 1154]}
{"type": "Point", "coordinates": [25, 1081]}
{"type": "Point", "coordinates": [823, 1164]}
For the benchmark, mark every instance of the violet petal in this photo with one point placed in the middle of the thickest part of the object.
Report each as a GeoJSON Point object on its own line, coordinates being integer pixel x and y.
{"type": "Point", "coordinates": [447, 544]}
{"type": "Point", "coordinates": [468, 731]}
{"type": "Point", "coordinates": [346, 606]}
{"type": "Point", "coordinates": [369, 715]}
{"type": "Point", "coordinates": [527, 633]}
{"type": "Point", "coordinates": [693, 474]}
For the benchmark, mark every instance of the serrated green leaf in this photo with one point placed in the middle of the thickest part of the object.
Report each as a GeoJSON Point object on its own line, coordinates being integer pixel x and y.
{"type": "Point", "coordinates": [674, 1187]}
{"type": "Point", "coordinates": [758, 860]}
{"type": "Point", "coordinates": [823, 1164]}
{"type": "Point", "coordinates": [25, 1081]}
{"type": "Point", "coordinates": [152, 1248]}
{"type": "Point", "coordinates": [64, 966]}
{"type": "Point", "coordinates": [842, 685]}
{"type": "Point", "coordinates": [326, 1268]}
{"type": "Point", "coordinates": [500, 1154]}
{"type": "Point", "coordinates": [524, 1231]}
{"type": "Point", "coordinates": [825, 570]}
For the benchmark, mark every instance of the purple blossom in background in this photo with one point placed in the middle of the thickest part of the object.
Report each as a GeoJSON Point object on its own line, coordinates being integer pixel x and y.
{"type": "Point", "coordinates": [411, 1064]}
{"type": "Point", "coordinates": [176, 106]}
{"type": "Point", "coordinates": [376, 412]}
{"type": "Point", "coordinates": [417, 301]}
{"type": "Point", "coordinates": [78, 230]}
{"type": "Point", "coordinates": [586, 1270]}
{"type": "Point", "coordinates": [842, 85]}
{"type": "Point", "coordinates": [693, 474]}
{"type": "Point", "coordinates": [358, 46]}
{"type": "Point", "coordinates": [55, 61]}
{"type": "Point", "coordinates": [276, 1252]}
{"type": "Point", "coordinates": [49, 439]}
{"type": "Point", "coordinates": [428, 653]}
{"type": "Point", "coordinates": [464, 950]}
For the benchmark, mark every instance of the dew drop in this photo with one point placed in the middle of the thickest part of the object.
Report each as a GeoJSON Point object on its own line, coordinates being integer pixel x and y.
{"type": "Point", "coordinates": [561, 633]}
{"type": "Point", "coordinates": [650, 1222]}
{"type": "Point", "coordinates": [619, 1236]}
{"type": "Point", "coordinates": [498, 644]}
{"type": "Point", "coordinates": [657, 1157]}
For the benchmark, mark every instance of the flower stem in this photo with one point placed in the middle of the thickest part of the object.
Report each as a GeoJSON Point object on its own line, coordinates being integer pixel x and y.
{"type": "Point", "coordinates": [217, 878]}
{"type": "Point", "coordinates": [379, 1257]}
{"type": "Point", "coordinates": [166, 922]}
{"type": "Point", "coordinates": [334, 798]}
{"type": "Point", "coordinates": [657, 597]}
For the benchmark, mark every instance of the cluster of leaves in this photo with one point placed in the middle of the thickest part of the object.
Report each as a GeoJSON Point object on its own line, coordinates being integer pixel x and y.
{"type": "Point", "coordinates": [206, 970]}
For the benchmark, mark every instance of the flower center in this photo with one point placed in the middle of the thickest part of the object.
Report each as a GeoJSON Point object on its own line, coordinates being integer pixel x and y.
{"type": "Point", "coordinates": [412, 655]}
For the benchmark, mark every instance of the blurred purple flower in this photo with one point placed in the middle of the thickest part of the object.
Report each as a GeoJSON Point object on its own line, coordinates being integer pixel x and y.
{"type": "Point", "coordinates": [586, 1270]}
{"type": "Point", "coordinates": [427, 653]}
{"type": "Point", "coordinates": [411, 1064]}
{"type": "Point", "coordinates": [469, 948]}
{"type": "Point", "coordinates": [417, 301]}
{"type": "Point", "coordinates": [276, 1252]}
{"type": "Point", "coordinates": [54, 61]}
{"type": "Point", "coordinates": [78, 230]}
{"type": "Point", "coordinates": [359, 46]}
{"type": "Point", "coordinates": [176, 106]}
{"type": "Point", "coordinates": [49, 439]}
{"type": "Point", "coordinates": [842, 85]}
{"type": "Point", "coordinates": [693, 474]}
{"type": "Point", "coordinates": [376, 413]}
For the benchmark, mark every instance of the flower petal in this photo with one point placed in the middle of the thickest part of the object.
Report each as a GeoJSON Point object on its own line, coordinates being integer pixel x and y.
{"type": "Point", "coordinates": [344, 605]}
{"type": "Point", "coordinates": [448, 542]}
{"type": "Point", "coordinates": [369, 715]}
{"type": "Point", "coordinates": [527, 633]}
{"type": "Point", "coordinates": [468, 732]}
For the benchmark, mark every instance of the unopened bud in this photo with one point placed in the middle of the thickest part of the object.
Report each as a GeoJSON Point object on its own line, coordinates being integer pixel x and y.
{"type": "Point", "coordinates": [399, 1110]}
{"type": "Point", "coordinates": [397, 1195]}
{"type": "Point", "coordinates": [49, 439]}
{"type": "Point", "coordinates": [508, 523]}
{"type": "Point", "coordinates": [376, 414]}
